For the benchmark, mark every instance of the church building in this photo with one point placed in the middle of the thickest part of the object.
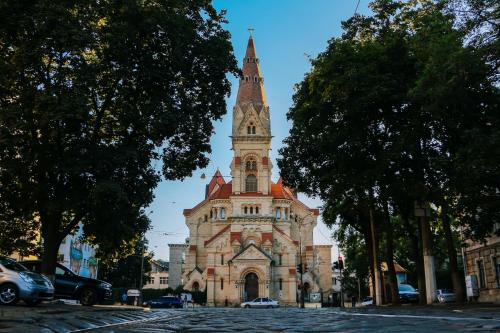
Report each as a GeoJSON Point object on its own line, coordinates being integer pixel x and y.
{"type": "Point", "coordinates": [249, 234]}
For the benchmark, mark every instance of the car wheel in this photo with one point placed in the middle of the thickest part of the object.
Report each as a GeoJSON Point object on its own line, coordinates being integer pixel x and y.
{"type": "Point", "coordinates": [247, 306]}
{"type": "Point", "coordinates": [88, 297]}
{"type": "Point", "coordinates": [9, 294]}
{"type": "Point", "coordinates": [32, 302]}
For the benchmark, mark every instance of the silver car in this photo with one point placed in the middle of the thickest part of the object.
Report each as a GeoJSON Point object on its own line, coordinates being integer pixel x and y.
{"type": "Point", "coordinates": [445, 296]}
{"type": "Point", "coordinates": [18, 283]}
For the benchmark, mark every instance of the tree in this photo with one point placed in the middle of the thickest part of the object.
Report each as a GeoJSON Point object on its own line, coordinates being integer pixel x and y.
{"type": "Point", "coordinates": [399, 110]}
{"type": "Point", "coordinates": [125, 271]}
{"type": "Point", "coordinates": [92, 94]}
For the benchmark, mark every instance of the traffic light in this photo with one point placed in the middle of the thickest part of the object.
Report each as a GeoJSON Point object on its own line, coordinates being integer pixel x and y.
{"type": "Point", "coordinates": [299, 269]}
{"type": "Point", "coordinates": [335, 265]}
{"type": "Point", "coordinates": [341, 263]}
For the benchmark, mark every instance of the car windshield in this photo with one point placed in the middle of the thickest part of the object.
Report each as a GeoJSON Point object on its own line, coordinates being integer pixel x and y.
{"type": "Point", "coordinates": [12, 265]}
{"type": "Point", "coordinates": [406, 287]}
{"type": "Point", "coordinates": [446, 291]}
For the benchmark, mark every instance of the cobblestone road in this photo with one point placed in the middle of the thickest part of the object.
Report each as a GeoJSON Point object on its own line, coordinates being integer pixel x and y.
{"type": "Point", "coordinates": [319, 320]}
{"type": "Point", "coordinates": [66, 319]}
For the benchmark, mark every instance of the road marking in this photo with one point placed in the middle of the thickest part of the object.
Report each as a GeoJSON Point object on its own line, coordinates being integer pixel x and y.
{"type": "Point", "coordinates": [131, 322]}
{"type": "Point", "coordinates": [412, 316]}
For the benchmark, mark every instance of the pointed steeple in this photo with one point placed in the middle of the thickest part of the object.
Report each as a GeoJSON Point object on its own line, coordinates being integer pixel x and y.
{"type": "Point", "coordinates": [251, 87]}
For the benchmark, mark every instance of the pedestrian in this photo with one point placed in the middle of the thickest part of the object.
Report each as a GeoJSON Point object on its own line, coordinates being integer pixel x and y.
{"type": "Point", "coordinates": [123, 299]}
{"type": "Point", "coordinates": [353, 301]}
{"type": "Point", "coordinates": [185, 301]}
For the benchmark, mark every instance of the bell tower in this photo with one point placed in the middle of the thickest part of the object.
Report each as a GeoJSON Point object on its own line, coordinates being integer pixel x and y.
{"type": "Point", "coordinates": [251, 135]}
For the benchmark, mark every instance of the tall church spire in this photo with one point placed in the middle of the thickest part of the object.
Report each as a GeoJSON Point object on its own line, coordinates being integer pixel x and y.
{"type": "Point", "coordinates": [251, 87]}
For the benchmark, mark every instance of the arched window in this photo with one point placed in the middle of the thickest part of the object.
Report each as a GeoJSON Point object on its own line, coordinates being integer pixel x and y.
{"type": "Point", "coordinates": [255, 78]}
{"type": "Point", "coordinates": [223, 213]}
{"type": "Point", "coordinates": [251, 210]}
{"type": "Point", "coordinates": [280, 259]}
{"type": "Point", "coordinates": [256, 210]}
{"type": "Point", "coordinates": [281, 284]}
{"type": "Point", "coordinates": [249, 130]}
{"type": "Point", "coordinates": [253, 129]}
{"type": "Point", "coordinates": [251, 183]}
{"type": "Point", "coordinates": [221, 284]}
{"type": "Point", "coordinates": [222, 259]}
{"type": "Point", "coordinates": [246, 210]}
{"type": "Point", "coordinates": [278, 213]}
{"type": "Point", "coordinates": [251, 164]}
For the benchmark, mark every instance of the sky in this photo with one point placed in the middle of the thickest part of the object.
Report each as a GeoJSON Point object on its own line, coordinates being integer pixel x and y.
{"type": "Point", "coordinates": [286, 34]}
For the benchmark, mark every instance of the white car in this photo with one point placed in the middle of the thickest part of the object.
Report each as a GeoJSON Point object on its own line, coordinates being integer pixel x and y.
{"type": "Point", "coordinates": [445, 295]}
{"type": "Point", "coordinates": [263, 302]}
{"type": "Point", "coordinates": [367, 301]}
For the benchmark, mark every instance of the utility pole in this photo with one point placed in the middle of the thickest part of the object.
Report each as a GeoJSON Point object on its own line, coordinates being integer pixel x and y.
{"type": "Point", "coordinates": [301, 267]}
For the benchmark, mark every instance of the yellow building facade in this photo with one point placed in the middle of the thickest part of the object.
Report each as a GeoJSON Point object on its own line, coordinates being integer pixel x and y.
{"type": "Point", "coordinates": [249, 234]}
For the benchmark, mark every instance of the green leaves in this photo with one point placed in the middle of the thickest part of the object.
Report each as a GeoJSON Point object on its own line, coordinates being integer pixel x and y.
{"type": "Point", "coordinates": [92, 92]}
{"type": "Point", "coordinates": [392, 106]}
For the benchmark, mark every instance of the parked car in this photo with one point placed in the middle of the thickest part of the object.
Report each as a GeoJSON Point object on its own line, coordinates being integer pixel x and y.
{"type": "Point", "coordinates": [407, 294]}
{"type": "Point", "coordinates": [18, 283]}
{"type": "Point", "coordinates": [263, 302]}
{"type": "Point", "coordinates": [367, 301]}
{"type": "Point", "coordinates": [164, 302]}
{"type": "Point", "coordinates": [445, 296]}
{"type": "Point", "coordinates": [69, 285]}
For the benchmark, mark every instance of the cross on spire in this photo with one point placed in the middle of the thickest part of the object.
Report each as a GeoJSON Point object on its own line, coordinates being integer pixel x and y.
{"type": "Point", "coordinates": [250, 29]}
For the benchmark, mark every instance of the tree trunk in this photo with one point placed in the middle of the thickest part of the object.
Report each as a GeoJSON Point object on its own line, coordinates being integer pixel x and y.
{"type": "Point", "coordinates": [51, 242]}
{"type": "Point", "coordinates": [452, 254]}
{"type": "Point", "coordinates": [393, 280]}
{"type": "Point", "coordinates": [417, 255]}
{"type": "Point", "coordinates": [369, 252]}
{"type": "Point", "coordinates": [420, 268]}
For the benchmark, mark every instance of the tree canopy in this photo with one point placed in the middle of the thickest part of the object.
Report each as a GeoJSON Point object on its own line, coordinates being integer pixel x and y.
{"type": "Point", "coordinates": [95, 98]}
{"type": "Point", "coordinates": [398, 110]}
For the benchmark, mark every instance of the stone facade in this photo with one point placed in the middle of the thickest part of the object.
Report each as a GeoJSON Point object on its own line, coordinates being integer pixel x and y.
{"type": "Point", "coordinates": [483, 261]}
{"type": "Point", "coordinates": [249, 234]}
{"type": "Point", "coordinates": [177, 254]}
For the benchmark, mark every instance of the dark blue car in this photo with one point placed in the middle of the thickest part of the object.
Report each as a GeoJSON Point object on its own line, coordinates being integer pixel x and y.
{"type": "Point", "coordinates": [164, 302]}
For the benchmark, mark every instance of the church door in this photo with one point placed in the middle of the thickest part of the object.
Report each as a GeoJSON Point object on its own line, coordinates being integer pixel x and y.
{"type": "Point", "coordinates": [251, 286]}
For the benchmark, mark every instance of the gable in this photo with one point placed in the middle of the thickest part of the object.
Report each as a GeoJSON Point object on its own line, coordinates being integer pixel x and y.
{"type": "Point", "coordinates": [251, 252]}
{"type": "Point", "coordinates": [252, 116]}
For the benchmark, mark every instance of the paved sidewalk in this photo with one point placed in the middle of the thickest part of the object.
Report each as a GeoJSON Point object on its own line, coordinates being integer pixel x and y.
{"type": "Point", "coordinates": [58, 318]}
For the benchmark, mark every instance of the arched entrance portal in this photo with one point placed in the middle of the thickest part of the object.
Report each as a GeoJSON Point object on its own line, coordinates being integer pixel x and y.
{"type": "Point", "coordinates": [195, 287]}
{"type": "Point", "coordinates": [307, 292]}
{"type": "Point", "coordinates": [251, 286]}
